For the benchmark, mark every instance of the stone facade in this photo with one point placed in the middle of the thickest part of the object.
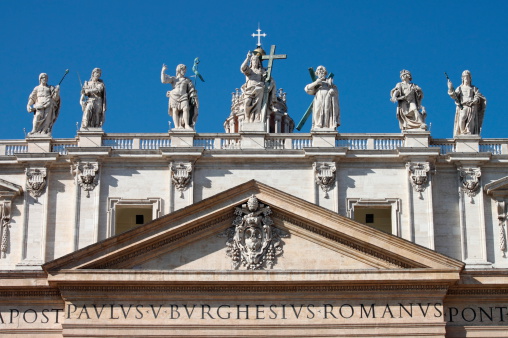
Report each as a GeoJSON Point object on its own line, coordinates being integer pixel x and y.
{"type": "Point", "coordinates": [437, 267]}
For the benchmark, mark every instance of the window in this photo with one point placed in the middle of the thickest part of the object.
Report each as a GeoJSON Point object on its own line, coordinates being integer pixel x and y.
{"type": "Point", "coordinates": [382, 214]}
{"type": "Point", "coordinates": [125, 214]}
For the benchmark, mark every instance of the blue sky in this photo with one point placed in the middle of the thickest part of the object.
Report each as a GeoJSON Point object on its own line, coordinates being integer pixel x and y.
{"type": "Point", "coordinates": [364, 43]}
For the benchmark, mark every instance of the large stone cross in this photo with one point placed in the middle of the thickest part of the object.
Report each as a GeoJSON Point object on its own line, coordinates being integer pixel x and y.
{"type": "Point", "coordinates": [272, 56]}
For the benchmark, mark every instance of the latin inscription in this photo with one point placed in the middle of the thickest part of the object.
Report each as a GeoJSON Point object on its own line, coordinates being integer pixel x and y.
{"type": "Point", "coordinates": [311, 312]}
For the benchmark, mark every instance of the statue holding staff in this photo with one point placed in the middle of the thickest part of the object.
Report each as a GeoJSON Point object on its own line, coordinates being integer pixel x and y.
{"type": "Point", "coordinates": [93, 101]}
{"type": "Point", "coordinates": [183, 99]}
{"type": "Point", "coordinates": [471, 105]}
{"type": "Point", "coordinates": [325, 107]}
{"type": "Point", "coordinates": [44, 101]}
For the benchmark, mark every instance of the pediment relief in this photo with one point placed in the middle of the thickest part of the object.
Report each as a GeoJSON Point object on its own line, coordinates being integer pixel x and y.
{"type": "Point", "coordinates": [282, 233]}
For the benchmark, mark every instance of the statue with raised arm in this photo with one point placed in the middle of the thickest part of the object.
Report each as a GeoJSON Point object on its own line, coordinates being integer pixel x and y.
{"type": "Point", "coordinates": [410, 112]}
{"type": "Point", "coordinates": [253, 89]}
{"type": "Point", "coordinates": [325, 106]}
{"type": "Point", "coordinates": [183, 98]}
{"type": "Point", "coordinates": [44, 101]}
{"type": "Point", "coordinates": [93, 101]}
{"type": "Point", "coordinates": [470, 108]}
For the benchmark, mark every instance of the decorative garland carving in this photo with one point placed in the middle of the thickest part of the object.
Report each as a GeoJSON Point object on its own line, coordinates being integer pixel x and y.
{"type": "Point", "coordinates": [418, 175]}
{"type": "Point", "coordinates": [36, 181]}
{"type": "Point", "coordinates": [501, 216]}
{"type": "Point", "coordinates": [324, 174]}
{"type": "Point", "coordinates": [5, 213]}
{"type": "Point", "coordinates": [252, 240]}
{"type": "Point", "coordinates": [86, 173]}
{"type": "Point", "coordinates": [181, 175]}
{"type": "Point", "coordinates": [470, 180]}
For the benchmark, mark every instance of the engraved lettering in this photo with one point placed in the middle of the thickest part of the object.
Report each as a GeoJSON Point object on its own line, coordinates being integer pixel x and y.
{"type": "Point", "coordinates": [367, 314]}
{"type": "Point", "coordinates": [125, 314]}
{"type": "Point", "coordinates": [44, 315]}
{"type": "Point", "coordinates": [208, 308]}
{"type": "Point", "coordinates": [56, 313]}
{"type": "Point", "coordinates": [501, 312]}
{"type": "Point", "coordinates": [350, 309]}
{"type": "Point", "coordinates": [28, 311]}
{"type": "Point", "coordinates": [187, 310]}
{"type": "Point", "coordinates": [451, 310]}
{"type": "Point", "coordinates": [464, 314]}
{"type": "Point", "coordinates": [69, 310]}
{"type": "Point", "coordinates": [426, 309]}
{"type": "Point", "coordinates": [387, 309]}
{"type": "Point", "coordinates": [218, 312]}
{"type": "Point", "coordinates": [311, 312]}
{"type": "Point", "coordinates": [174, 309]}
{"type": "Point", "coordinates": [274, 313]}
{"type": "Point", "coordinates": [436, 306]}
{"type": "Point", "coordinates": [153, 311]}
{"type": "Point", "coordinates": [84, 310]}
{"type": "Point", "coordinates": [112, 306]}
{"type": "Point", "coordinates": [139, 311]}
{"type": "Point", "coordinates": [97, 313]}
{"type": "Point", "coordinates": [297, 314]}
{"type": "Point", "coordinates": [482, 311]}
{"type": "Point", "coordinates": [329, 306]}
{"type": "Point", "coordinates": [409, 312]}
{"type": "Point", "coordinates": [246, 311]}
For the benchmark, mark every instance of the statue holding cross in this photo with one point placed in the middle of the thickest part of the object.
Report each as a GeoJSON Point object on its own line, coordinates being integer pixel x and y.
{"type": "Point", "coordinates": [259, 90]}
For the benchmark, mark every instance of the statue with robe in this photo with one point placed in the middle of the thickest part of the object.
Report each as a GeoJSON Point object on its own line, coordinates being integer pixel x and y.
{"type": "Point", "coordinates": [410, 112]}
{"type": "Point", "coordinates": [183, 98]}
{"type": "Point", "coordinates": [253, 90]}
{"type": "Point", "coordinates": [470, 107]}
{"type": "Point", "coordinates": [325, 106]}
{"type": "Point", "coordinates": [44, 102]}
{"type": "Point", "coordinates": [93, 101]}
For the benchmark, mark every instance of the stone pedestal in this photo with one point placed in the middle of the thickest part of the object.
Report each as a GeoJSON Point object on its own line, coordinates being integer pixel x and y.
{"type": "Point", "coordinates": [467, 143]}
{"type": "Point", "coordinates": [39, 144]}
{"type": "Point", "coordinates": [323, 137]}
{"type": "Point", "coordinates": [182, 138]}
{"type": "Point", "coordinates": [91, 137]}
{"type": "Point", "coordinates": [253, 127]}
{"type": "Point", "coordinates": [253, 140]}
{"type": "Point", "coordinates": [416, 138]}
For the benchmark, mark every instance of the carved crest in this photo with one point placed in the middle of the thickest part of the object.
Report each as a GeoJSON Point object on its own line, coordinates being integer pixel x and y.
{"type": "Point", "coordinates": [324, 173]}
{"type": "Point", "coordinates": [36, 181]}
{"type": "Point", "coordinates": [181, 174]}
{"type": "Point", "coordinates": [470, 180]}
{"type": "Point", "coordinates": [418, 175]}
{"type": "Point", "coordinates": [253, 241]}
{"type": "Point", "coordinates": [87, 175]}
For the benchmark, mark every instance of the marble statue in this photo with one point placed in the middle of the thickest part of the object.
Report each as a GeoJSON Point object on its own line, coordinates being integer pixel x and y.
{"type": "Point", "coordinates": [325, 106]}
{"type": "Point", "coordinates": [93, 101]}
{"type": "Point", "coordinates": [470, 104]}
{"type": "Point", "coordinates": [410, 113]}
{"type": "Point", "coordinates": [253, 89]}
{"type": "Point", "coordinates": [183, 98]}
{"type": "Point", "coordinates": [44, 101]}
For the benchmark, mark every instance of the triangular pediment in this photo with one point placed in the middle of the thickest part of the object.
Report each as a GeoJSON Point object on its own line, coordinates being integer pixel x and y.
{"type": "Point", "coordinates": [497, 188]}
{"type": "Point", "coordinates": [308, 237]}
{"type": "Point", "coordinates": [9, 190]}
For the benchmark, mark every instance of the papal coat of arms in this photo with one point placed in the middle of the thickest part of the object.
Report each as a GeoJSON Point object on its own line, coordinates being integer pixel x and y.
{"type": "Point", "coordinates": [253, 241]}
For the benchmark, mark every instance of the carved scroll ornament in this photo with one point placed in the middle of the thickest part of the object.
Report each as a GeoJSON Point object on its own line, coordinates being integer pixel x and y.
{"type": "Point", "coordinates": [87, 175]}
{"type": "Point", "coordinates": [36, 181]}
{"type": "Point", "coordinates": [418, 175]}
{"type": "Point", "coordinates": [253, 241]}
{"type": "Point", "coordinates": [324, 173]}
{"type": "Point", "coordinates": [181, 175]}
{"type": "Point", "coordinates": [470, 180]}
